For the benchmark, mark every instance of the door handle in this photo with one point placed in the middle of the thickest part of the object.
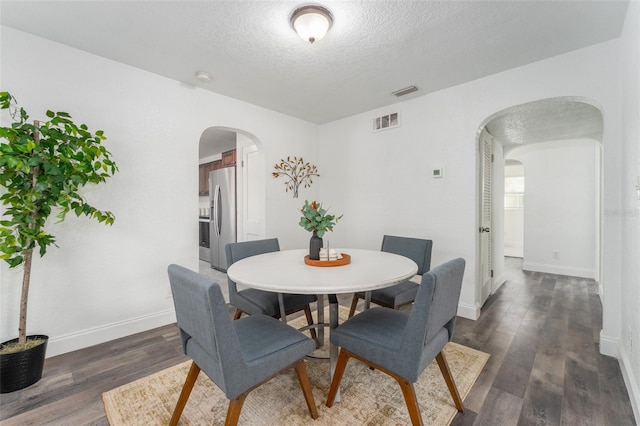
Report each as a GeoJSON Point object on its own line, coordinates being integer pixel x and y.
{"type": "Point", "coordinates": [483, 229]}
{"type": "Point", "coordinates": [219, 212]}
{"type": "Point", "coordinates": [215, 208]}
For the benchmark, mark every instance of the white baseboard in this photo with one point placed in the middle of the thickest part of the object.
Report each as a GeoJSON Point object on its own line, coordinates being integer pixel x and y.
{"type": "Point", "coordinates": [559, 270]}
{"type": "Point", "coordinates": [59, 345]}
{"type": "Point", "coordinates": [471, 312]}
{"type": "Point", "coordinates": [633, 387]}
{"type": "Point", "coordinates": [609, 346]}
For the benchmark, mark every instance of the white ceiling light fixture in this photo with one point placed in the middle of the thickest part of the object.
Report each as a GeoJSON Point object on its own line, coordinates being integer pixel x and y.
{"type": "Point", "coordinates": [311, 22]}
{"type": "Point", "coordinates": [204, 76]}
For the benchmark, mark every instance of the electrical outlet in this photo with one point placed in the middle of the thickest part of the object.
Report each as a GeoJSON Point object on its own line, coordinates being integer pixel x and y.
{"type": "Point", "coordinates": [555, 255]}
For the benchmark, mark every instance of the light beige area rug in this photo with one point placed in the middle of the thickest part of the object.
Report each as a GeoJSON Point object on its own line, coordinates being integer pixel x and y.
{"type": "Point", "coordinates": [368, 396]}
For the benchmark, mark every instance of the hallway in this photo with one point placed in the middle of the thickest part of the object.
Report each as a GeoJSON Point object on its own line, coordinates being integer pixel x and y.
{"type": "Point", "coordinates": [542, 332]}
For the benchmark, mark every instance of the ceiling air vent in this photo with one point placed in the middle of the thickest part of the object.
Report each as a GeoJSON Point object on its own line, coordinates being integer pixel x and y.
{"type": "Point", "coordinates": [386, 121]}
{"type": "Point", "coordinates": [405, 91]}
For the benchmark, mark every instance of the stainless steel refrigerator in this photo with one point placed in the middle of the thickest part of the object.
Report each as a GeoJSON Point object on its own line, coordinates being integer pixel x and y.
{"type": "Point", "coordinates": [222, 197]}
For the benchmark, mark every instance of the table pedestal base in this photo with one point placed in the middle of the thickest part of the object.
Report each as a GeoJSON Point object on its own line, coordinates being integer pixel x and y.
{"type": "Point", "coordinates": [333, 323]}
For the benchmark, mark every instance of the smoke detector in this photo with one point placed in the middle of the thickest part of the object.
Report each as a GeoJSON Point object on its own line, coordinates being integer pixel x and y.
{"type": "Point", "coordinates": [204, 76]}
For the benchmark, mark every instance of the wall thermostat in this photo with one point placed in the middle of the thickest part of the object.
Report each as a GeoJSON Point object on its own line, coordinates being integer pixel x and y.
{"type": "Point", "coordinates": [438, 173]}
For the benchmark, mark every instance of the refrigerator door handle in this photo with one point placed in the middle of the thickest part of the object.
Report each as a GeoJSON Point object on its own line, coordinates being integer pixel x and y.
{"type": "Point", "coordinates": [216, 210]}
{"type": "Point", "coordinates": [219, 212]}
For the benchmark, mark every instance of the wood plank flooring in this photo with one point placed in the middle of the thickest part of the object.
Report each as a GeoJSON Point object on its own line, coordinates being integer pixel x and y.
{"type": "Point", "coordinates": [542, 332]}
{"type": "Point", "coordinates": [540, 329]}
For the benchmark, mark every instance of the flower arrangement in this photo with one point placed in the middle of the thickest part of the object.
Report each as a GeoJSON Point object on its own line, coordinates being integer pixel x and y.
{"type": "Point", "coordinates": [298, 173]}
{"type": "Point", "coordinates": [316, 219]}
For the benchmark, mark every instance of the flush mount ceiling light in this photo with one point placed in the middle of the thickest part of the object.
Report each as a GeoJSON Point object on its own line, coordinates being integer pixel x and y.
{"type": "Point", "coordinates": [203, 76]}
{"type": "Point", "coordinates": [311, 22]}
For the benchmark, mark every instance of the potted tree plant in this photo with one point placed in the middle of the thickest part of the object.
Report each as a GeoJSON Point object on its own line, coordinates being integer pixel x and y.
{"type": "Point", "coordinates": [43, 166]}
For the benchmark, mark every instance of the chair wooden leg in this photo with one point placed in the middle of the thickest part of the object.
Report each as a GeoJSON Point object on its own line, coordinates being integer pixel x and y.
{"type": "Point", "coordinates": [305, 384]}
{"type": "Point", "coordinates": [444, 368]}
{"type": "Point", "coordinates": [354, 302]}
{"type": "Point", "coordinates": [307, 313]}
{"type": "Point", "coordinates": [237, 314]}
{"type": "Point", "coordinates": [407, 387]}
{"type": "Point", "coordinates": [192, 375]}
{"type": "Point", "coordinates": [343, 357]}
{"type": "Point", "coordinates": [235, 406]}
{"type": "Point", "coordinates": [410, 399]}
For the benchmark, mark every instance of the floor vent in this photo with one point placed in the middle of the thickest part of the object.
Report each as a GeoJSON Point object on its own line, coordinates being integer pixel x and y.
{"type": "Point", "coordinates": [386, 121]}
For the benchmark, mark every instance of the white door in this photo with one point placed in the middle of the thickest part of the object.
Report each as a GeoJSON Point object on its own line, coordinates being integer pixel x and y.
{"type": "Point", "coordinates": [486, 252]}
{"type": "Point", "coordinates": [253, 195]}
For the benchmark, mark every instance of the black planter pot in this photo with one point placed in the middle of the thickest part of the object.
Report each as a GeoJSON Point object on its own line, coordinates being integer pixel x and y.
{"type": "Point", "coordinates": [315, 244]}
{"type": "Point", "coordinates": [21, 369]}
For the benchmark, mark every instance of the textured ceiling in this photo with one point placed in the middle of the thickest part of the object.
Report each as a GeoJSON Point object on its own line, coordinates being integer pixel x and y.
{"type": "Point", "coordinates": [546, 120]}
{"type": "Point", "coordinates": [215, 141]}
{"type": "Point", "coordinates": [373, 48]}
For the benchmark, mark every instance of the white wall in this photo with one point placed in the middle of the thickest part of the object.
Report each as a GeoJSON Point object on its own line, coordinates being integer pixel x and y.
{"type": "Point", "coordinates": [382, 181]}
{"type": "Point", "coordinates": [559, 211]}
{"type": "Point", "coordinates": [629, 213]}
{"type": "Point", "coordinates": [106, 282]}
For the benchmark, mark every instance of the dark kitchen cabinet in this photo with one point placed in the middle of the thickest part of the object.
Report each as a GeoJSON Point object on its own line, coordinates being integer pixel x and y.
{"type": "Point", "coordinates": [228, 160]}
{"type": "Point", "coordinates": [203, 178]}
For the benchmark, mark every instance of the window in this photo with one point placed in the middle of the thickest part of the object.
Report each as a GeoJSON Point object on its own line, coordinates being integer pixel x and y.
{"type": "Point", "coordinates": [514, 192]}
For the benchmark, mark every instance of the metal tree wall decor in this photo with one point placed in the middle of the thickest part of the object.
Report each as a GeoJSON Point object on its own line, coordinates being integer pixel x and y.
{"type": "Point", "coordinates": [298, 173]}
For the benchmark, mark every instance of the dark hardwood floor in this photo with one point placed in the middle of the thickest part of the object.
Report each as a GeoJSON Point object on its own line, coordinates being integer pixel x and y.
{"type": "Point", "coordinates": [541, 331]}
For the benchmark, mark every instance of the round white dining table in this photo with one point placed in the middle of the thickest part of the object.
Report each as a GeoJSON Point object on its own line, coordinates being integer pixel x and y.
{"type": "Point", "coordinates": [286, 272]}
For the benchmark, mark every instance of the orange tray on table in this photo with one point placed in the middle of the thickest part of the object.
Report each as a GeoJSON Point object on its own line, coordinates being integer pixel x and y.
{"type": "Point", "coordinates": [346, 259]}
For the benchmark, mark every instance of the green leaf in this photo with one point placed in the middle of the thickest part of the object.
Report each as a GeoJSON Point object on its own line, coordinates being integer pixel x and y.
{"type": "Point", "coordinates": [68, 157]}
{"type": "Point", "coordinates": [15, 261]}
{"type": "Point", "coordinates": [11, 162]}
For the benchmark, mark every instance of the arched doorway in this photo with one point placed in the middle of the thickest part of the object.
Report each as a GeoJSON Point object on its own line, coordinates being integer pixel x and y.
{"type": "Point", "coordinates": [566, 131]}
{"type": "Point", "coordinates": [223, 149]}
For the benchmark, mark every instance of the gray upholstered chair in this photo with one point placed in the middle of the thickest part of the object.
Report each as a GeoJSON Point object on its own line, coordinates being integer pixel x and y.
{"type": "Point", "coordinates": [237, 355]}
{"type": "Point", "coordinates": [403, 344]}
{"type": "Point", "coordinates": [252, 301]}
{"type": "Point", "coordinates": [396, 296]}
